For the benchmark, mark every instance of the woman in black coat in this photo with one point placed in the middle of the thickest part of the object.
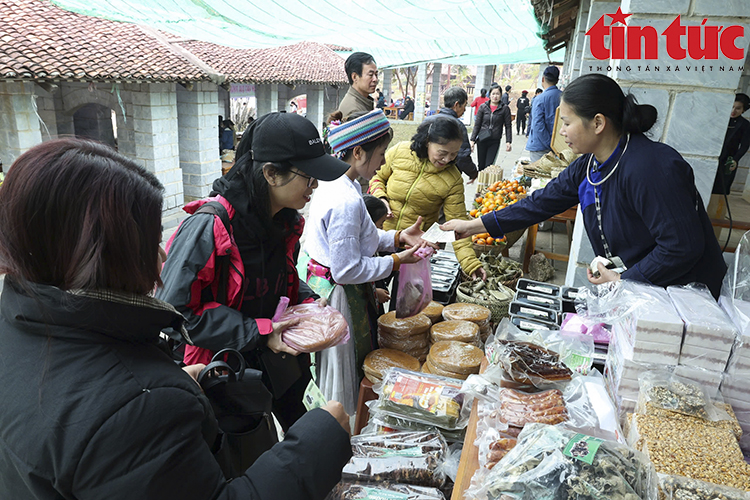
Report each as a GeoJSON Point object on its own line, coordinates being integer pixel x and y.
{"type": "Point", "coordinates": [488, 129]}
{"type": "Point", "coordinates": [736, 144]}
{"type": "Point", "coordinates": [93, 405]}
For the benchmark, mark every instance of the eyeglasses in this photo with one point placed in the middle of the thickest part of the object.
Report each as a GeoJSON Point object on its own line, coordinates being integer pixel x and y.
{"type": "Point", "coordinates": [310, 180]}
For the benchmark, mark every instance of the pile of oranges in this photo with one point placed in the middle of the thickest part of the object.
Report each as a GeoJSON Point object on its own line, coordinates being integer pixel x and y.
{"type": "Point", "coordinates": [498, 196]}
{"type": "Point", "coordinates": [486, 239]}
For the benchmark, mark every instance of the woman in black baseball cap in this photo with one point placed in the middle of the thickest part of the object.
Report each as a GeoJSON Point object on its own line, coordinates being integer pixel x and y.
{"type": "Point", "coordinates": [279, 162]}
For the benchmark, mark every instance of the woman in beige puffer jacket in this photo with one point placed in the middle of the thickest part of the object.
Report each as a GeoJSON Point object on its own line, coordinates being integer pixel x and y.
{"type": "Point", "coordinates": [420, 177]}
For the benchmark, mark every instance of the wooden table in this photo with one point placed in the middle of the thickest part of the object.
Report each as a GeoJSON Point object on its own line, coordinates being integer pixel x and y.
{"type": "Point", "coordinates": [568, 217]}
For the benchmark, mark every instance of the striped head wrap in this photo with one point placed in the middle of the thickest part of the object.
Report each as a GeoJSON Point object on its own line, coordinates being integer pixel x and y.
{"type": "Point", "coordinates": [358, 131]}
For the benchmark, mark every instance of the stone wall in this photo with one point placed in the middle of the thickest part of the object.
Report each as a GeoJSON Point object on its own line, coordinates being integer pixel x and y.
{"type": "Point", "coordinates": [19, 125]}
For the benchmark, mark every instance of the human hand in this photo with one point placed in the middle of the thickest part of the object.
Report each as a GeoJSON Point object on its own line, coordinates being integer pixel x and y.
{"type": "Point", "coordinates": [605, 275]}
{"type": "Point", "coordinates": [472, 181]}
{"type": "Point", "coordinates": [412, 235]}
{"type": "Point", "coordinates": [274, 338]}
{"type": "Point", "coordinates": [479, 274]}
{"type": "Point", "coordinates": [194, 371]}
{"type": "Point", "coordinates": [472, 144]}
{"type": "Point", "coordinates": [322, 302]}
{"type": "Point", "coordinates": [464, 228]}
{"type": "Point", "coordinates": [382, 295]}
{"type": "Point", "coordinates": [389, 212]}
{"type": "Point", "coordinates": [336, 410]}
{"type": "Point", "coordinates": [407, 256]}
{"type": "Point", "coordinates": [733, 167]}
{"type": "Point", "coordinates": [507, 146]}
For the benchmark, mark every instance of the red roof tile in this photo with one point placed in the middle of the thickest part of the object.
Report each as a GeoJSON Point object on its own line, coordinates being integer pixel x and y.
{"type": "Point", "coordinates": [41, 41]}
{"type": "Point", "coordinates": [305, 62]}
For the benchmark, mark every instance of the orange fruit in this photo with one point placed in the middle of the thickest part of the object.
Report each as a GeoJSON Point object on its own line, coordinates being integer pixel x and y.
{"type": "Point", "coordinates": [490, 240]}
{"type": "Point", "coordinates": [479, 200]}
{"type": "Point", "coordinates": [485, 210]}
{"type": "Point", "coordinates": [480, 241]}
{"type": "Point", "coordinates": [473, 213]}
{"type": "Point", "coordinates": [513, 196]}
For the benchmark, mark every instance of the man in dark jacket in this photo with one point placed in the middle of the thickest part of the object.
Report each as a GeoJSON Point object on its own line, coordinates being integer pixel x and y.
{"type": "Point", "coordinates": [522, 109]}
{"type": "Point", "coordinates": [408, 108]}
{"type": "Point", "coordinates": [362, 72]}
{"type": "Point", "coordinates": [505, 99]}
{"type": "Point", "coordinates": [455, 100]}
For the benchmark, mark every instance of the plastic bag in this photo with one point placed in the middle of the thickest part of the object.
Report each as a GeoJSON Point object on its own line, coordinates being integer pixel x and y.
{"type": "Point", "coordinates": [552, 462]}
{"type": "Point", "coordinates": [414, 288]}
{"type": "Point", "coordinates": [429, 399]}
{"type": "Point", "coordinates": [735, 290]}
{"type": "Point", "coordinates": [401, 457]}
{"type": "Point", "coordinates": [667, 391]}
{"type": "Point", "coordinates": [617, 300]}
{"type": "Point", "coordinates": [382, 491]}
{"type": "Point", "coordinates": [319, 327]}
{"type": "Point", "coordinates": [383, 423]}
{"type": "Point", "coordinates": [679, 488]}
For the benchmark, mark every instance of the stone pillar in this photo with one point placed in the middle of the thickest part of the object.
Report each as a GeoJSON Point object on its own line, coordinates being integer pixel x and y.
{"type": "Point", "coordinates": [274, 97]}
{"type": "Point", "coordinates": [385, 85]}
{"type": "Point", "coordinates": [316, 106]}
{"type": "Point", "coordinates": [589, 64]}
{"type": "Point", "coordinates": [483, 80]}
{"type": "Point", "coordinates": [19, 126]}
{"type": "Point", "coordinates": [149, 136]}
{"type": "Point", "coordinates": [331, 100]}
{"type": "Point", "coordinates": [46, 108]}
{"type": "Point", "coordinates": [574, 53]}
{"type": "Point", "coordinates": [198, 136]}
{"type": "Point", "coordinates": [263, 99]}
{"type": "Point", "coordinates": [435, 95]}
{"type": "Point", "coordinates": [420, 96]}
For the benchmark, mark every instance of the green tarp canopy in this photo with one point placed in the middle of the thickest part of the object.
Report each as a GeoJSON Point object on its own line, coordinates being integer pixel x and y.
{"type": "Point", "coordinates": [395, 32]}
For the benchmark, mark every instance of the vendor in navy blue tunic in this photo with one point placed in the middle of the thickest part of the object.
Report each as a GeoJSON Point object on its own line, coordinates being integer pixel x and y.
{"type": "Point", "coordinates": [652, 216]}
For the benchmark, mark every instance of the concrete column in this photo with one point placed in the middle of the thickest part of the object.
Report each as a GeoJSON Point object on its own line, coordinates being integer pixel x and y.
{"type": "Point", "coordinates": [331, 99]}
{"type": "Point", "coordinates": [264, 99]}
{"type": "Point", "coordinates": [45, 104]}
{"type": "Point", "coordinates": [483, 80]}
{"type": "Point", "coordinates": [150, 137]}
{"type": "Point", "coordinates": [419, 99]}
{"type": "Point", "coordinates": [284, 94]}
{"type": "Point", "coordinates": [274, 97]}
{"type": "Point", "coordinates": [316, 106]}
{"type": "Point", "coordinates": [435, 95]}
{"type": "Point", "coordinates": [19, 126]}
{"type": "Point", "coordinates": [385, 84]}
{"type": "Point", "coordinates": [198, 137]}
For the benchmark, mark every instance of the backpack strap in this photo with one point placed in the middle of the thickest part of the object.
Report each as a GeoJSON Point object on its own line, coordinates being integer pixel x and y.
{"type": "Point", "coordinates": [216, 208]}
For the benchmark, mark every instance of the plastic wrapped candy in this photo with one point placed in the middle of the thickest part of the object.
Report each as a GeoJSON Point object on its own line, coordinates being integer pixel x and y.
{"type": "Point", "coordinates": [383, 491]}
{"type": "Point", "coordinates": [402, 457]}
{"type": "Point", "coordinates": [425, 398]}
{"type": "Point", "coordinates": [378, 361]}
{"type": "Point", "coordinates": [319, 327]}
{"type": "Point", "coordinates": [551, 462]}
{"type": "Point", "coordinates": [454, 359]}
{"type": "Point", "coordinates": [459, 330]}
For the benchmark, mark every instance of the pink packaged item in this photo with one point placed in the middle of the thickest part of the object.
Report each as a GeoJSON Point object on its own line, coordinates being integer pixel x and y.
{"type": "Point", "coordinates": [319, 327]}
{"type": "Point", "coordinates": [575, 323]}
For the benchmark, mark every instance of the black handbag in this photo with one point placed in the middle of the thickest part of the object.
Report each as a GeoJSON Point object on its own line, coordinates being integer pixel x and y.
{"type": "Point", "coordinates": [242, 405]}
{"type": "Point", "coordinates": [484, 134]}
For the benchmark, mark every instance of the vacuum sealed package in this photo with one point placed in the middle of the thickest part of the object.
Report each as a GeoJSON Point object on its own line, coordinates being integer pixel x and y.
{"type": "Point", "coordinates": [667, 391]}
{"type": "Point", "coordinates": [319, 327]}
{"type": "Point", "coordinates": [401, 457]}
{"type": "Point", "coordinates": [414, 288]}
{"type": "Point", "coordinates": [424, 398]}
{"type": "Point", "coordinates": [346, 490]}
{"type": "Point", "coordinates": [551, 462]}
{"type": "Point", "coordinates": [680, 487]}
{"type": "Point", "coordinates": [383, 423]}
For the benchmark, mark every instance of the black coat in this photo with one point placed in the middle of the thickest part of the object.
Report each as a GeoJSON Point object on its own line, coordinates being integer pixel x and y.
{"type": "Point", "coordinates": [523, 106]}
{"type": "Point", "coordinates": [493, 122]}
{"type": "Point", "coordinates": [94, 408]}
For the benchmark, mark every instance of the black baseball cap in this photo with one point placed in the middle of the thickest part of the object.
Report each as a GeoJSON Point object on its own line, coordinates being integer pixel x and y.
{"type": "Point", "coordinates": [552, 73]}
{"type": "Point", "coordinates": [288, 137]}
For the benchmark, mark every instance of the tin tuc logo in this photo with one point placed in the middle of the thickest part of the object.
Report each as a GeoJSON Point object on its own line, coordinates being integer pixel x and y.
{"type": "Point", "coordinates": [696, 42]}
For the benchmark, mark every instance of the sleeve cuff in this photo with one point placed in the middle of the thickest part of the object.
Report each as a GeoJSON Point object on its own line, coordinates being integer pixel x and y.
{"type": "Point", "coordinates": [265, 326]}
{"type": "Point", "coordinates": [492, 224]}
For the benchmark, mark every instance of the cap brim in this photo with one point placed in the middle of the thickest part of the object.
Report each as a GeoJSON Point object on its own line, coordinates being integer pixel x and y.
{"type": "Point", "coordinates": [323, 168]}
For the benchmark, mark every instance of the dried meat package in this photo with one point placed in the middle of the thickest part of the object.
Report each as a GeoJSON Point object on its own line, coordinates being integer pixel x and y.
{"type": "Point", "coordinates": [383, 491]}
{"type": "Point", "coordinates": [425, 398]}
{"type": "Point", "coordinates": [402, 457]}
{"type": "Point", "coordinates": [528, 363]}
{"type": "Point", "coordinates": [319, 327]}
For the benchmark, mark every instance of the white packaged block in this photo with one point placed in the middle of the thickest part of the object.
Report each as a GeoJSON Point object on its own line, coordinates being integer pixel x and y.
{"type": "Point", "coordinates": [655, 319]}
{"type": "Point", "coordinates": [703, 358]}
{"type": "Point", "coordinates": [706, 324]}
{"type": "Point", "coordinates": [710, 379]}
{"type": "Point", "coordinates": [739, 360]}
{"type": "Point", "coordinates": [736, 387]}
{"type": "Point", "coordinates": [646, 351]}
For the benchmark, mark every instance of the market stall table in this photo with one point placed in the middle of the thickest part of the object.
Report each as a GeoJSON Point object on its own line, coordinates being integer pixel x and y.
{"type": "Point", "coordinates": [470, 454]}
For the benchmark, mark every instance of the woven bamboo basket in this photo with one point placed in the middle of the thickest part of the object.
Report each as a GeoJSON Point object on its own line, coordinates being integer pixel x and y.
{"type": "Point", "coordinates": [498, 308]}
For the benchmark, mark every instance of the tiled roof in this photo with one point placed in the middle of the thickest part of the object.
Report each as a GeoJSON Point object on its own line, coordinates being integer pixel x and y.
{"type": "Point", "coordinates": [41, 41]}
{"type": "Point", "coordinates": [305, 62]}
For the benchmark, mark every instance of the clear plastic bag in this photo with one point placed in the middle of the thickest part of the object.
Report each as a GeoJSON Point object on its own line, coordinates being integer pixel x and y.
{"type": "Point", "coordinates": [414, 288]}
{"type": "Point", "coordinates": [681, 488]}
{"type": "Point", "coordinates": [667, 391]}
{"type": "Point", "coordinates": [552, 462]}
{"type": "Point", "coordinates": [383, 423]}
{"type": "Point", "coordinates": [401, 457]}
{"type": "Point", "coordinates": [319, 327]}
{"type": "Point", "coordinates": [735, 290]}
{"type": "Point", "coordinates": [425, 398]}
{"type": "Point", "coordinates": [383, 491]}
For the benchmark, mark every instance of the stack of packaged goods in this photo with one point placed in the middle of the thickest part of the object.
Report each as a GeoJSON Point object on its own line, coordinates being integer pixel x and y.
{"type": "Point", "coordinates": [434, 311]}
{"type": "Point", "coordinates": [379, 361]}
{"type": "Point", "coordinates": [735, 386]}
{"type": "Point", "coordinates": [647, 337]}
{"type": "Point", "coordinates": [684, 432]}
{"type": "Point", "coordinates": [456, 330]}
{"type": "Point", "coordinates": [398, 465]}
{"type": "Point", "coordinates": [409, 335]}
{"type": "Point", "coordinates": [478, 315]}
{"type": "Point", "coordinates": [536, 306]}
{"type": "Point", "coordinates": [453, 359]}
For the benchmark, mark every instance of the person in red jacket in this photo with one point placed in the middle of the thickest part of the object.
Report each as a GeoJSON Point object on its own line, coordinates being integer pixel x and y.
{"type": "Point", "coordinates": [280, 159]}
{"type": "Point", "coordinates": [478, 101]}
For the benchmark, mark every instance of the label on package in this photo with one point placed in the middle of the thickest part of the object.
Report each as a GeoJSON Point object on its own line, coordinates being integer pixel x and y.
{"type": "Point", "coordinates": [583, 448]}
{"type": "Point", "coordinates": [540, 300]}
{"type": "Point", "coordinates": [415, 451]}
{"type": "Point", "coordinates": [433, 398]}
{"type": "Point", "coordinates": [378, 494]}
{"type": "Point", "coordinates": [531, 326]}
{"type": "Point", "coordinates": [543, 289]}
{"type": "Point", "coordinates": [533, 312]}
